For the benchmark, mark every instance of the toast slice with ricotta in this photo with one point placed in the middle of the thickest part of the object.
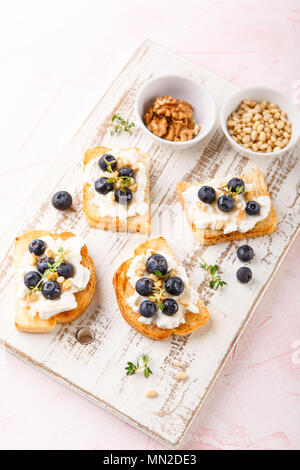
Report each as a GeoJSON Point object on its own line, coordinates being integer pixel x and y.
{"type": "Point", "coordinates": [196, 211]}
{"type": "Point", "coordinates": [124, 281]}
{"type": "Point", "coordinates": [24, 321]}
{"type": "Point", "coordinates": [102, 210]}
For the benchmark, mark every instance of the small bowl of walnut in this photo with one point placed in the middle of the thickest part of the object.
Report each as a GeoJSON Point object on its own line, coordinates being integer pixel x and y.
{"type": "Point", "coordinates": [175, 110]}
{"type": "Point", "coordinates": [260, 121]}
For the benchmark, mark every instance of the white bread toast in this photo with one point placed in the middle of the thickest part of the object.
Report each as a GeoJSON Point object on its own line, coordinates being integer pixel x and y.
{"type": "Point", "coordinates": [138, 223]}
{"type": "Point", "coordinates": [209, 236]}
{"type": "Point", "coordinates": [23, 320]}
{"type": "Point", "coordinates": [124, 289]}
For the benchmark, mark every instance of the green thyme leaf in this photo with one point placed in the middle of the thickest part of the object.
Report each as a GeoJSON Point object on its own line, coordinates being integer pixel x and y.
{"type": "Point", "coordinates": [147, 372]}
{"type": "Point", "coordinates": [163, 276]}
{"type": "Point", "coordinates": [213, 269]}
{"type": "Point", "coordinates": [158, 273]}
{"type": "Point", "coordinates": [132, 368]}
{"type": "Point", "coordinates": [215, 281]}
{"type": "Point", "coordinates": [119, 124]}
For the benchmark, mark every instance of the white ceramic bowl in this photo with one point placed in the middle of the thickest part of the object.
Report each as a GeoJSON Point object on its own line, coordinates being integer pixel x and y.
{"type": "Point", "coordinates": [184, 89]}
{"type": "Point", "coordinates": [260, 94]}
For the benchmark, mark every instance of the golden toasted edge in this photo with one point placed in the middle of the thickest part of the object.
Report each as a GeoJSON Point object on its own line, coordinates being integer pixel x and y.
{"type": "Point", "coordinates": [83, 297]}
{"type": "Point", "coordinates": [264, 227]}
{"type": "Point", "coordinates": [140, 224]}
{"type": "Point", "coordinates": [23, 321]}
{"type": "Point", "coordinates": [124, 289]}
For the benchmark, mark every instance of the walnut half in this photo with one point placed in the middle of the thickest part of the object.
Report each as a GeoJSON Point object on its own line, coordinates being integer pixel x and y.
{"type": "Point", "coordinates": [171, 119]}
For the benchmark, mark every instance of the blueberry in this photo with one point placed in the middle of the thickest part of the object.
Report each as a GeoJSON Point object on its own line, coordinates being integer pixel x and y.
{"type": "Point", "coordinates": [144, 286]}
{"type": "Point", "coordinates": [245, 253]}
{"type": "Point", "coordinates": [62, 200]}
{"type": "Point", "coordinates": [252, 208]}
{"type": "Point", "coordinates": [102, 186]}
{"type": "Point", "coordinates": [107, 158]}
{"type": "Point", "coordinates": [225, 203]}
{"type": "Point", "coordinates": [147, 308]}
{"type": "Point", "coordinates": [207, 194]}
{"type": "Point", "coordinates": [51, 290]}
{"type": "Point", "coordinates": [32, 278]}
{"type": "Point", "coordinates": [170, 307]}
{"type": "Point", "coordinates": [234, 183]}
{"type": "Point", "coordinates": [37, 247]}
{"type": "Point", "coordinates": [126, 171]}
{"type": "Point", "coordinates": [66, 270]}
{"type": "Point", "coordinates": [244, 274]}
{"type": "Point", "coordinates": [157, 263]}
{"type": "Point", "coordinates": [122, 197]}
{"type": "Point", "coordinates": [43, 263]}
{"type": "Point", "coordinates": [174, 285]}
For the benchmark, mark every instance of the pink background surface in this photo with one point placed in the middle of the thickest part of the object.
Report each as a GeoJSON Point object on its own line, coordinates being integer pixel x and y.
{"type": "Point", "coordinates": [56, 60]}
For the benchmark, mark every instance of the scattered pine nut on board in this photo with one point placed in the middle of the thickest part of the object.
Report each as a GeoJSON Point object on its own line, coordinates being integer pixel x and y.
{"type": "Point", "coordinates": [96, 370]}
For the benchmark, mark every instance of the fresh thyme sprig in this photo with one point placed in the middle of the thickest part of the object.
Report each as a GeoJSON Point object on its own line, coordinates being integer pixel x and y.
{"type": "Point", "coordinates": [52, 269]}
{"type": "Point", "coordinates": [119, 124]}
{"type": "Point", "coordinates": [157, 296]}
{"type": "Point", "coordinates": [132, 368]}
{"type": "Point", "coordinates": [123, 181]}
{"type": "Point", "coordinates": [158, 291]}
{"type": "Point", "coordinates": [233, 194]}
{"type": "Point", "coordinates": [163, 276]}
{"type": "Point", "coordinates": [212, 269]}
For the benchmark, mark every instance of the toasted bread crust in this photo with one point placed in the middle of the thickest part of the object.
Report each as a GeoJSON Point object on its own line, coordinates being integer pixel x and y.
{"type": "Point", "coordinates": [137, 223]}
{"type": "Point", "coordinates": [264, 227]}
{"type": "Point", "coordinates": [124, 289]}
{"type": "Point", "coordinates": [23, 321]}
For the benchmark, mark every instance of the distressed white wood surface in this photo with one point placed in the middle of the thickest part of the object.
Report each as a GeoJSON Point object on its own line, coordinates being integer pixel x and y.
{"type": "Point", "coordinates": [97, 371]}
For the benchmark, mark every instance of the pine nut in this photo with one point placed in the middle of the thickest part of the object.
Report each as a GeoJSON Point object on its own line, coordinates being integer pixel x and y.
{"type": "Point", "coordinates": [67, 284]}
{"type": "Point", "coordinates": [177, 363]}
{"type": "Point", "coordinates": [32, 259]}
{"type": "Point", "coordinates": [49, 253]}
{"type": "Point", "coordinates": [246, 139]}
{"type": "Point", "coordinates": [151, 394]}
{"type": "Point", "coordinates": [181, 375]}
{"type": "Point", "coordinates": [52, 276]}
{"type": "Point", "coordinates": [253, 135]}
{"type": "Point", "coordinates": [262, 136]}
{"type": "Point", "coordinates": [267, 116]}
{"type": "Point", "coordinates": [185, 301]}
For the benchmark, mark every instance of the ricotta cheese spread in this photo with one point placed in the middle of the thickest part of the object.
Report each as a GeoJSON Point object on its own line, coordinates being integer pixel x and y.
{"type": "Point", "coordinates": [107, 206]}
{"type": "Point", "coordinates": [48, 308]}
{"type": "Point", "coordinates": [210, 216]}
{"type": "Point", "coordinates": [159, 319]}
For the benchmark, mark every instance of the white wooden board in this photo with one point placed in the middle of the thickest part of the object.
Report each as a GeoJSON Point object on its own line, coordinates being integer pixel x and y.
{"type": "Point", "coordinates": [97, 371]}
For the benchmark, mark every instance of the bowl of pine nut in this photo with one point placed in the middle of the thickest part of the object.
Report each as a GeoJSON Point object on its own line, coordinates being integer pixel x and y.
{"type": "Point", "coordinates": [260, 121]}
